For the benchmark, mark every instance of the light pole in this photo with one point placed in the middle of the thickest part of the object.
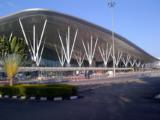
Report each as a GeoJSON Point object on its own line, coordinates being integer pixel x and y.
{"type": "Point", "coordinates": [111, 5]}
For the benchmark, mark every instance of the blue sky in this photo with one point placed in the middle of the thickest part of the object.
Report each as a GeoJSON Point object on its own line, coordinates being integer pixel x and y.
{"type": "Point", "coordinates": [136, 20]}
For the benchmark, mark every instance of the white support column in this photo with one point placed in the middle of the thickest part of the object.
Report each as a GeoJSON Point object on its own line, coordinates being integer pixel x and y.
{"type": "Point", "coordinates": [36, 47]}
{"type": "Point", "coordinates": [105, 53]}
{"type": "Point", "coordinates": [142, 65]}
{"type": "Point", "coordinates": [61, 56]}
{"type": "Point", "coordinates": [125, 60]}
{"type": "Point", "coordinates": [132, 62]}
{"type": "Point", "coordinates": [117, 58]}
{"type": "Point", "coordinates": [138, 63]}
{"type": "Point", "coordinates": [68, 49]}
{"type": "Point", "coordinates": [10, 37]}
{"type": "Point", "coordinates": [39, 56]}
{"type": "Point", "coordinates": [80, 58]}
{"type": "Point", "coordinates": [90, 50]}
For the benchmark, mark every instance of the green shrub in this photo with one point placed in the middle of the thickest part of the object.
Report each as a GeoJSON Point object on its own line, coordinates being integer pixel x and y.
{"type": "Point", "coordinates": [7, 90]}
{"type": "Point", "coordinates": [39, 90]}
{"type": "Point", "coordinates": [48, 91]}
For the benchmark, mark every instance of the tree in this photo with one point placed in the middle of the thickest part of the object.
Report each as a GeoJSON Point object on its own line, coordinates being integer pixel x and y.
{"type": "Point", "coordinates": [13, 45]}
{"type": "Point", "coordinates": [18, 46]}
{"type": "Point", "coordinates": [12, 51]}
{"type": "Point", "coordinates": [11, 65]}
{"type": "Point", "coordinates": [4, 47]}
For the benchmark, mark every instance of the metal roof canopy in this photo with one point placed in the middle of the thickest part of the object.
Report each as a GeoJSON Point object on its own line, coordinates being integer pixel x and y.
{"type": "Point", "coordinates": [59, 21]}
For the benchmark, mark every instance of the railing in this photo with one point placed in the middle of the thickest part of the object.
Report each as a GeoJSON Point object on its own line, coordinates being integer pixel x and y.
{"type": "Point", "coordinates": [69, 69]}
{"type": "Point", "coordinates": [72, 69]}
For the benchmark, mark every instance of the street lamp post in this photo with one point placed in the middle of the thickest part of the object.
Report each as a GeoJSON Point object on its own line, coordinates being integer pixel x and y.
{"type": "Point", "coordinates": [111, 5]}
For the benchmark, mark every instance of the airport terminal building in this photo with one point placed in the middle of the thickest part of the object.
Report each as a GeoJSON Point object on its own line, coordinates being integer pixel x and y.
{"type": "Point", "coordinates": [55, 39]}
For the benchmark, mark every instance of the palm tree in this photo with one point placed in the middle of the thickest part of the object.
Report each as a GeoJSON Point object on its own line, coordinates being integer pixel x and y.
{"type": "Point", "coordinates": [4, 46]}
{"type": "Point", "coordinates": [11, 65]}
{"type": "Point", "coordinates": [13, 45]}
{"type": "Point", "coordinates": [12, 51]}
{"type": "Point", "coordinates": [18, 46]}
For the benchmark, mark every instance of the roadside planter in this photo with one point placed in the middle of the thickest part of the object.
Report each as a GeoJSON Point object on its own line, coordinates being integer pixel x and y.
{"type": "Point", "coordinates": [39, 92]}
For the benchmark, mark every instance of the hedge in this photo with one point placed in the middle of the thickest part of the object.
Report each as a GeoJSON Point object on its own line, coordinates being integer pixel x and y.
{"type": "Point", "coordinates": [39, 90]}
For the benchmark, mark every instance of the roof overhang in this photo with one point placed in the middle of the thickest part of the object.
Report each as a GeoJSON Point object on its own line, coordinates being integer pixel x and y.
{"type": "Point", "coordinates": [58, 21]}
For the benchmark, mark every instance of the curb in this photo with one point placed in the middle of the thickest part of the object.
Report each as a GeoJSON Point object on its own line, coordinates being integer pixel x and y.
{"type": "Point", "coordinates": [6, 96]}
{"type": "Point", "coordinates": [73, 97]}
{"type": "Point", "coordinates": [57, 99]}
{"type": "Point", "coordinates": [43, 98]}
{"type": "Point", "coordinates": [14, 97]}
{"type": "Point", "coordinates": [33, 98]}
{"type": "Point", "coordinates": [22, 97]}
{"type": "Point", "coordinates": [157, 97]}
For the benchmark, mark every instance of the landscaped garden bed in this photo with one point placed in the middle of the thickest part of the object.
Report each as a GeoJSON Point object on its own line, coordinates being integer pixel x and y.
{"type": "Point", "coordinates": [49, 91]}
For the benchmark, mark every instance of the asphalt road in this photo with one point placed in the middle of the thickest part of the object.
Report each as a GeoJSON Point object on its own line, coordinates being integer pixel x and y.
{"type": "Point", "coordinates": [114, 101]}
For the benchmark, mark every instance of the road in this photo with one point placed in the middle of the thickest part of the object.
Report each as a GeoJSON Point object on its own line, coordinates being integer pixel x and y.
{"type": "Point", "coordinates": [130, 100]}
